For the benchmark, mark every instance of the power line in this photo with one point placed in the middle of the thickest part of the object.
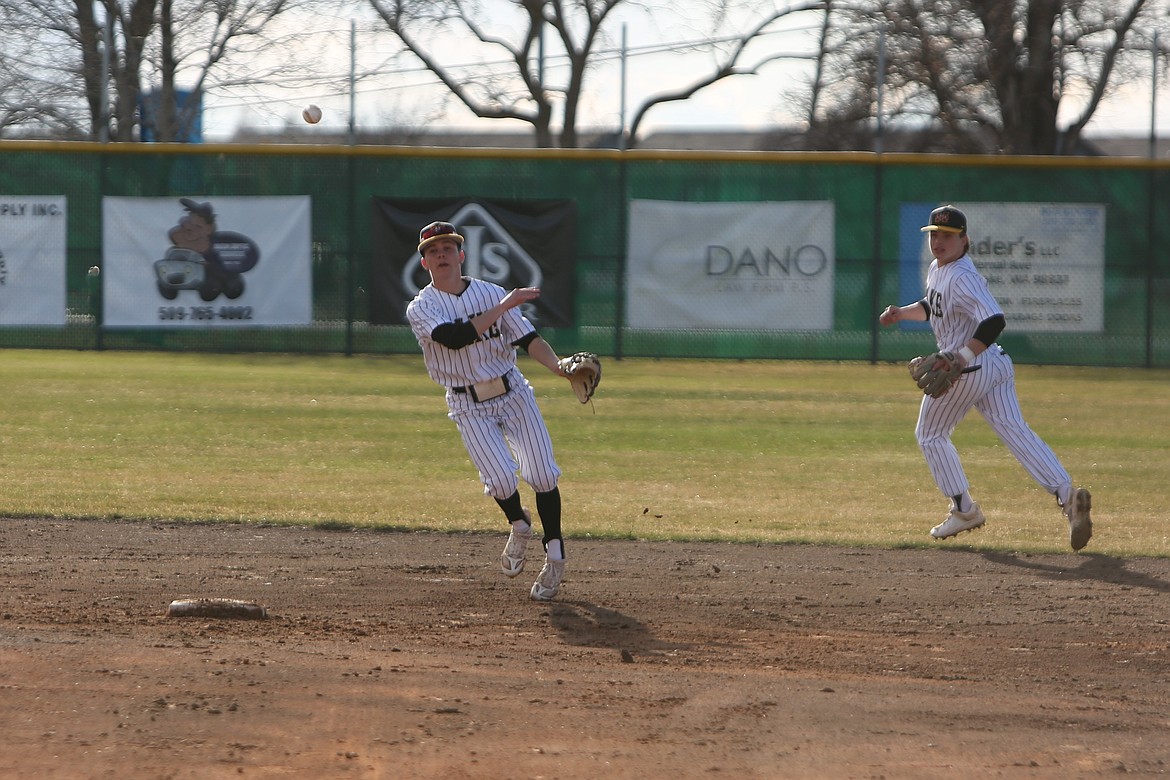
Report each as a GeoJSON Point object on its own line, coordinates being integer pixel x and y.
{"type": "Point", "coordinates": [506, 66]}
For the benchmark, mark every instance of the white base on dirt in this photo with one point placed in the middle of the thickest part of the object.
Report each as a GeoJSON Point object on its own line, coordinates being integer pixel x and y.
{"type": "Point", "coordinates": [216, 608]}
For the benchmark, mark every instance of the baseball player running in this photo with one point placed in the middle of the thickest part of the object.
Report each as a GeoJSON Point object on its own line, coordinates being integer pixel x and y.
{"type": "Point", "coordinates": [469, 330]}
{"type": "Point", "coordinates": [966, 320]}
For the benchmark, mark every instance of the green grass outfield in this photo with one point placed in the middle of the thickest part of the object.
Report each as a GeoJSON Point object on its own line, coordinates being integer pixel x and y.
{"type": "Point", "coordinates": [792, 452]}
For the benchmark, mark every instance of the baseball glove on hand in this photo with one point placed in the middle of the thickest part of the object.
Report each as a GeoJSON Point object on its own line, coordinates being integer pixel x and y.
{"type": "Point", "coordinates": [935, 373]}
{"type": "Point", "coordinates": [584, 372]}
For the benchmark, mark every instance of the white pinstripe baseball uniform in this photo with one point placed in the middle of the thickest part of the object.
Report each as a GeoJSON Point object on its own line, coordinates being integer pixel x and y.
{"type": "Point", "coordinates": [469, 331]}
{"type": "Point", "coordinates": [966, 321]}
{"type": "Point", "coordinates": [494, 430]}
{"type": "Point", "coordinates": [959, 300]}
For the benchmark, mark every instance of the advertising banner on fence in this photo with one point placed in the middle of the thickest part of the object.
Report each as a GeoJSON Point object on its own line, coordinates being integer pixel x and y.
{"type": "Point", "coordinates": [509, 243]}
{"type": "Point", "coordinates": [753, 266]}
{"type": "Point", "coordinates": [32, 260]}
{"type": "Point", "coordinates": [206, 262]}
{"type": "Point", "coordinates": [1044, 262]}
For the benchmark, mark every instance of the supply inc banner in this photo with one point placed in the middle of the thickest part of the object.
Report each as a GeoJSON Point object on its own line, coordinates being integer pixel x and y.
{"type": "Point", "coordinates": [206, 261]}
{"type": "Point", "coordinates": [745, 266]}
{"type": "Point", "coordinates": [32, 260]}
{"type": "Point", "coordinates": [515, 243]}
{"type": "Point", "coordinates": [1044, 262]}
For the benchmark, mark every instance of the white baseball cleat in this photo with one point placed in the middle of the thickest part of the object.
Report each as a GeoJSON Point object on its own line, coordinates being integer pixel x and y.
{"type": "Point", "coordinates": [548, 583]}
{"type": "Point", "coordinates": [512, 559]}
{"type": "Point", "coordinates": [1080, 524]}
{"type": "Point", "coordinates": [957, 522]}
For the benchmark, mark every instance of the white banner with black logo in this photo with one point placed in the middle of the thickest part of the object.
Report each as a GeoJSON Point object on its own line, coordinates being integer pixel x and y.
{"type": "Point", "coordinates": [744, 266]}
{"type": "Point", "coordinates": [32, 260]}
{"type": "Point", "coordinates": [206, 262]}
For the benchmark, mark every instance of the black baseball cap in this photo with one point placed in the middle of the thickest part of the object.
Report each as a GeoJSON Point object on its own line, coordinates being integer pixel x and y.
{"type": "Point", "coordinates": [435, 231]}
{"type": "Point", "coordinates": [947, 219]}
{"type": "Point", "coordinates": [202, 209]}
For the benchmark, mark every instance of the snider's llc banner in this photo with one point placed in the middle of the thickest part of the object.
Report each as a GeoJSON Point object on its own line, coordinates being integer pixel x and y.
{"type": "Point", "coordinates": [206, 261]}
{"type": "Point", "coordinates": [32, 260]}
{"type": "Point", "coordinates": [524, 243]}
{"type": "Point", "coordinates": [742, 266]}
{"type": "Point", "coordinates": [1044, 262]}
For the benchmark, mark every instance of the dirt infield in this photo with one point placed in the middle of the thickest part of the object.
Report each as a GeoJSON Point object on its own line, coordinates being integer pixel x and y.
{"type": "Point", "coordinates": [410, 656]}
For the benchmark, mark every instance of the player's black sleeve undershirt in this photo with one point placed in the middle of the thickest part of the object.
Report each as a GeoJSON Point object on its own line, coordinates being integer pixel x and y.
{"type": "Point", "coordinates": [524, 341]}
{"type": "Point", "coordinates": [455, 335]}
{"type": "Point", "coordinates": [989, 330]}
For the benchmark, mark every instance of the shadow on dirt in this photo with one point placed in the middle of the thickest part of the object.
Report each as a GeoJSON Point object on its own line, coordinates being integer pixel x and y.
{"type": "Point", "coordinates": [584, 624]}
{"type": "Point", "coordinates": [1103, 568]}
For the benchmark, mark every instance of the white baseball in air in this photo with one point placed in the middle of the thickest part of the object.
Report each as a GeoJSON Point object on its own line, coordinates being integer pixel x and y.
{"type": "Point", "coordinates": [311, 113]}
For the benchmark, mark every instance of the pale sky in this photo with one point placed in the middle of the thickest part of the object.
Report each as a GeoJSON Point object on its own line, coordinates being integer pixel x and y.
{"type": "Point", "coordinates": [404, 94]}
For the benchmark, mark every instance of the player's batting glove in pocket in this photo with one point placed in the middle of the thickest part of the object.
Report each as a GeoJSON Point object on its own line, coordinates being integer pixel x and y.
{"type": "Point", "coordinates": [492, 388]}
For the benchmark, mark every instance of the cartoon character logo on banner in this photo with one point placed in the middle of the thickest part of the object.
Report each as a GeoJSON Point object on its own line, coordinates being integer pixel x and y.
{"type": "Point", "coordinates": [203, 258]}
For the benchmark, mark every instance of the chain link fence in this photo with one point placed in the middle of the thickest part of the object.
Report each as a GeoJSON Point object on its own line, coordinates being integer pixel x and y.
{"type": "Point", "coordinates": [869, 195]}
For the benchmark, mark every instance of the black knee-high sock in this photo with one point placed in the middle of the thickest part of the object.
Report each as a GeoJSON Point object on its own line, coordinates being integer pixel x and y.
{"type": "Point", "coordinates": [548, 505]}
{"type": "Point", "coordinates": [511, 506]}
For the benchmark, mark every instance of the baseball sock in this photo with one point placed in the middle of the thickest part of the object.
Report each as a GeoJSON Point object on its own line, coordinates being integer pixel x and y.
{"type": "Point", "coordinates": [548, 505]}
{"type": "Point", "coordinates": [963, 501]}
{"type": "Point", "coordinates": [555, 549]}
{"type": "Point", "coordinates": [512, 508]}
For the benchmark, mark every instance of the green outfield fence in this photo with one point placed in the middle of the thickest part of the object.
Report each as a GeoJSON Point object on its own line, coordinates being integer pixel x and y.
{"type": "Point", "coordinates": [867, 190]}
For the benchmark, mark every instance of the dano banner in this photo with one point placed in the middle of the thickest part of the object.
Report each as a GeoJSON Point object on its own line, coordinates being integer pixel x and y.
{"type": "Point", "coordinates": [744, 266]}
{"type": "Point", "coordinates": [32, 260]}
{"type": "Point", "coordinates": [1044, 262]}
{"type": "Point", "coordinates": [198, 262]}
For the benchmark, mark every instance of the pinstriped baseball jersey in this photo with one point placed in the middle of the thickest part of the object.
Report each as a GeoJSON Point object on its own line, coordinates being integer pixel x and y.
{"type": "Point", "coordinates": [959, 300]}
{"type": "Point", "coordinates": [524, 445]}
{"type": "Point", "coordinates": [491, 356]}
{"type": "Point", "coordinates": [992, 392]}
{"type": "Point", "coordinates": [959, 305]}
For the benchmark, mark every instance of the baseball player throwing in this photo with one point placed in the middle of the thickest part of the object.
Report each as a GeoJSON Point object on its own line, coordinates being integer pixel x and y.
{"type": "Point", "coordinates": [966, 321]}
{"type": "Point", "coordinates": [469, 330]}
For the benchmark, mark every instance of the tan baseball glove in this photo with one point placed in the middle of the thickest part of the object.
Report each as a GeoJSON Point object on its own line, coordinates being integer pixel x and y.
{"type": "Point", "coordinates": [584, 372]}
{"type": "Point", "coordinates": [935, 373]}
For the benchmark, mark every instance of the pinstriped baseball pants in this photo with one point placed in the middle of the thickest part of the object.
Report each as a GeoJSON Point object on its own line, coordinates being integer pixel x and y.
{"type": "Point", "coordinates": [504, 435]}
{"type": "Point", "coordinates": [992, 392]}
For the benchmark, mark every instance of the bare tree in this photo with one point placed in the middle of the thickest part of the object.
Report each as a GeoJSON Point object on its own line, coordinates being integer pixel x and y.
{"type": "Point", "coordinates": [978, 75]}
{"type": "Point", "coordinates": [92, 62]}
{"type": "Point", "coordinates": [196, 39]}
{"type": "Point", "coordinates": [136, 21]}
{"type": "Point", "coordinates": [81, 73]}
{"type": "Point", "coordinates": [39, 86]}
{"type": "Point", "coordinates": [519, 91]}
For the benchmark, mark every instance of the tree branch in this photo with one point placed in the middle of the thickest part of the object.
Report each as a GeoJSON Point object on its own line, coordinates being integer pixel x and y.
{"type": "Point", "coordinates": [726, 70]}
